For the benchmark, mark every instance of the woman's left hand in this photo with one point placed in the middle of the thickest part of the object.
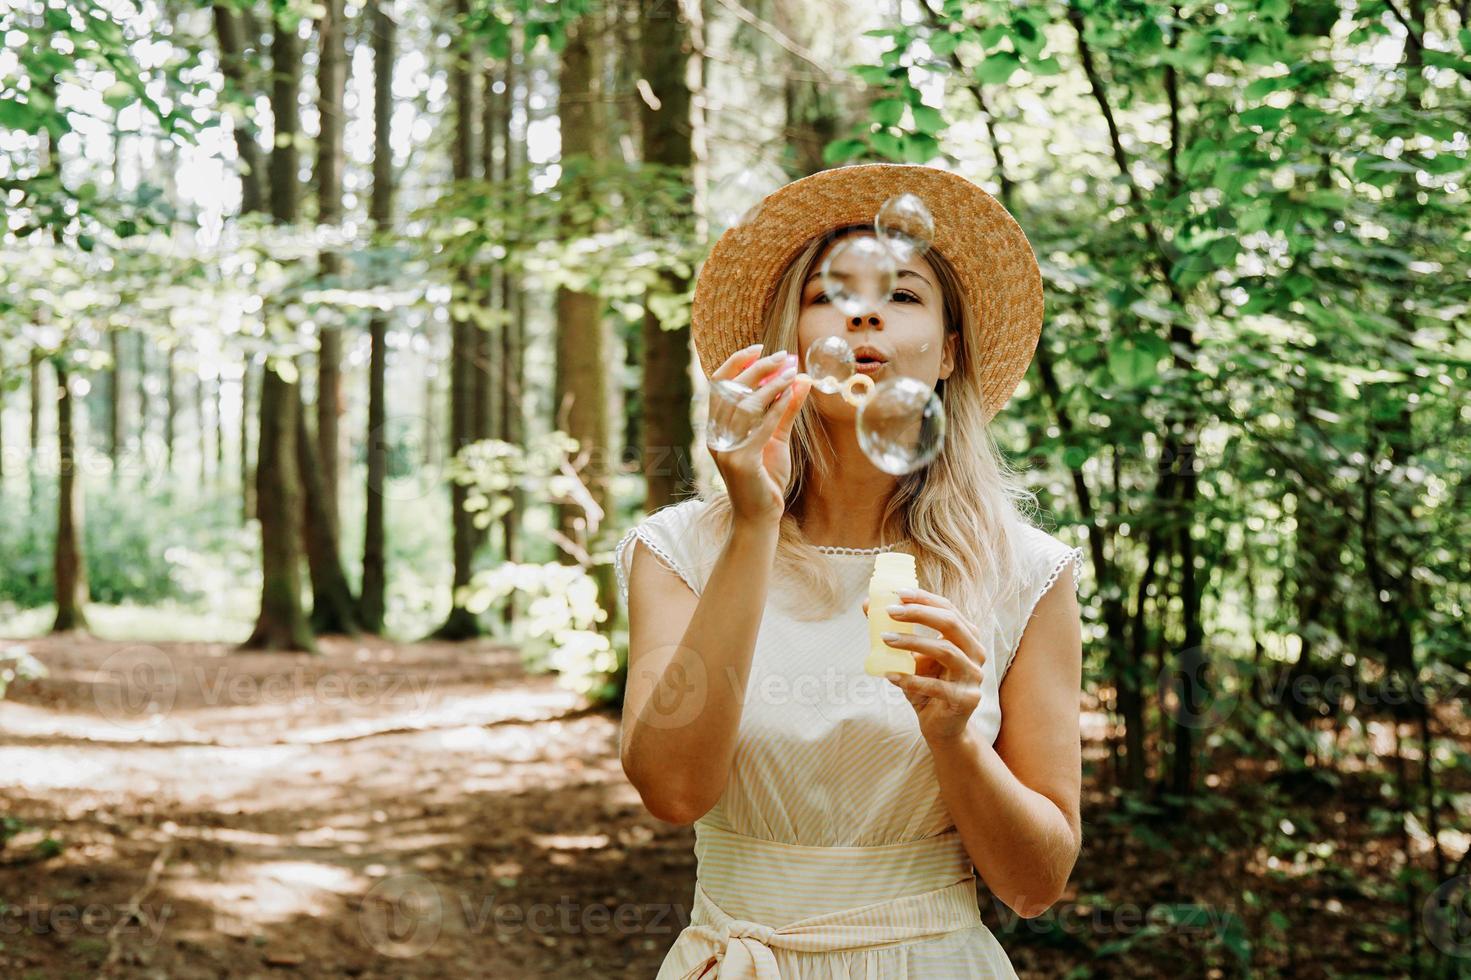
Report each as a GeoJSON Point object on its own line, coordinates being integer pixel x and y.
{"type": "Point", "coordinates": [946, 685]}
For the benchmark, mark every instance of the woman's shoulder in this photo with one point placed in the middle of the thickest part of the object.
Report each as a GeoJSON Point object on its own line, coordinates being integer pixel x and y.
{"type": "Point", "coordinates": [678, 534]}
{"type": "Point", "coordinates": [1043, 554]}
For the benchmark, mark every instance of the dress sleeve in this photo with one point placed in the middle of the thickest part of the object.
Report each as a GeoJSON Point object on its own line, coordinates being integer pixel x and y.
{"type": "Point", "coordinates": [1044, 558]}
{"type": "Point", "coordinates": [675, 537]}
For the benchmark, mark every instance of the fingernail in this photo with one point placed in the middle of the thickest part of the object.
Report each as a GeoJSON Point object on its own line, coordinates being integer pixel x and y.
{"type": "Point", "coordinates": [779, 353]}
{"type": "Point", "coordinates": [892, 677]}
{"type": "Point", "coordinates": [895, 610]}
{"type": "Point", "coordinates": [886, 636]}
{"type": "Point", "coordinates": [907, 594]}
{"type": "Point", "coordinates": [792, 360]}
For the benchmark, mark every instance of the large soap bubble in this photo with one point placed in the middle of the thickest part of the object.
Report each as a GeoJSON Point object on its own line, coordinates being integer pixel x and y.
{"type": "Point", "coordinates": [905, 224]}
{"type": "Point", "coordinates": [901, 425]}
{"type": "Point", "coordinates": [858, 275]}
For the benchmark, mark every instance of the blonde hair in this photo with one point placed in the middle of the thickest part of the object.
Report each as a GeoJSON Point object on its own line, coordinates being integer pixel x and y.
{"type": "Point", "coordinates": [958, 516]}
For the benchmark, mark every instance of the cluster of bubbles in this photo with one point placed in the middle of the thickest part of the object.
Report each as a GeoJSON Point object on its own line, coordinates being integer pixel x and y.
{"type": "Point", "coordinates": [900, 420]}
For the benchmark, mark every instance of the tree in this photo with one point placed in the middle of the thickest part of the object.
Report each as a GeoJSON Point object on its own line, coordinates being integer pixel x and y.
{"type": "Point", "coordinates": [371, 604]}
{"type": "Point", "coordinates": [281, 623]}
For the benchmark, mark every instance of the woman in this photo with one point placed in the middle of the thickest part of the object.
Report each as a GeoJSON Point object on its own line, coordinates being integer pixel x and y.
{"type": "Point", "coordinates": [841, 819]}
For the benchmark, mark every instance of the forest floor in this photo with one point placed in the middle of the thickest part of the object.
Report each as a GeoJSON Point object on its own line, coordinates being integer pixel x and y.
{"type": "Point", "coordinates": [429, 810]}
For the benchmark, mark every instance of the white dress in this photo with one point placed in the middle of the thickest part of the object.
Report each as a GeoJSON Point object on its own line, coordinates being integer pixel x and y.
{"type": "Point", "coordinates": [831, 852]}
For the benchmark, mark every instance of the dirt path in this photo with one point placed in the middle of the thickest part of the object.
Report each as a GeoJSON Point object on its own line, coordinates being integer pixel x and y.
{"type": "Point", "coordinates": [375, 811]}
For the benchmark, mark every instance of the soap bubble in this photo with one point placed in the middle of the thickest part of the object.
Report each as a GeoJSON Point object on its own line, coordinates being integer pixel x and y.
{"type": "Point", "coordinates": [734, 414]}
{"type": "Point", "coordinates": [858, 274]}
{"type": "Point", "coordinates": [829, 363]}
{"type": "Point", "coordinates": [901, 426]}
{"type": "Point", "coordinates": [906, 226]}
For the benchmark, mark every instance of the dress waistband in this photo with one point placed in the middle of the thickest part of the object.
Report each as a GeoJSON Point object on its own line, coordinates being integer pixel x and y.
{"type": "Point", "coordinates": [756, 895]}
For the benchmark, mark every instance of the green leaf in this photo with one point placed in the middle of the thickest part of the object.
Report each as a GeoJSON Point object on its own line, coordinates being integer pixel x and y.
{"type": "Point", "coordinates": [1131, 365]}
{"type": "Point", "coordinates": [18, 115]}
{"type": "Point", "coordinates": [841, 151]}
{"type": "Point", "coordinates": [928, 119]}
{"type": "Point", "coordinates": [1267, 117]}
{"type": "Point", "coordinates": [1466, 39]}
{"type": "Point", "coordinates": [920, 148]}
{"type": "Point", "coordinates": [1263, 87]}
{"type": "Point", "coordinates": [996, 69]}
{"type": "Point", "coordinates": [1044, 67]}
{"type": "Point", "coordinates": [943, 43]}
{"type": "Point", "coordinates": [118, 95]}
{"type": "Point", "coordinates": [887, 144]}
{"type": "Point", "coordinates": [887, 112]}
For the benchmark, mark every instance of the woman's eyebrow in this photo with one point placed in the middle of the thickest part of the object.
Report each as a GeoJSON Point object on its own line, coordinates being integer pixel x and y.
{"type": "Point", "coordinates": [902, 273]}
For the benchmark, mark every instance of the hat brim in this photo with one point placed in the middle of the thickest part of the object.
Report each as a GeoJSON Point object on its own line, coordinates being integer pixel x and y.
{"type": "Point", "coordinates": [990, 252]}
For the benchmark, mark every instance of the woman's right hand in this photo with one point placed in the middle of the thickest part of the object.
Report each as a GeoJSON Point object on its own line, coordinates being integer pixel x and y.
{"type": "Point", "coordinates": [756, 474]}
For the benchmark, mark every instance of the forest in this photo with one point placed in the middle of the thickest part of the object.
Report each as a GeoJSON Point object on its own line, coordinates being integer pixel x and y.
{"type": "Point", "coordinates": [342, 341]}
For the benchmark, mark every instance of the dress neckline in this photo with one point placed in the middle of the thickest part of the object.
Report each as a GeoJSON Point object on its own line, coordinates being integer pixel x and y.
{"type": "Point", "coordinates": [833, 549]}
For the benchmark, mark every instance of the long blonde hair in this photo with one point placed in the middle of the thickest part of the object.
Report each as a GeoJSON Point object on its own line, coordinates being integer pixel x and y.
{"type": "Point", "coordinates": [958, 516]}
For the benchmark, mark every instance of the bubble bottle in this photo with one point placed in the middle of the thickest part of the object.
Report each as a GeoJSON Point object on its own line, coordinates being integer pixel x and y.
{"type": "Point", "coordinates": [892, 571]}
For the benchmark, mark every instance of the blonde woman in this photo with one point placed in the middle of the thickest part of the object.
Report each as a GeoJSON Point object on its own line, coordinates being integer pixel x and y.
{"type": "Point", "coordinates": [841, 819]}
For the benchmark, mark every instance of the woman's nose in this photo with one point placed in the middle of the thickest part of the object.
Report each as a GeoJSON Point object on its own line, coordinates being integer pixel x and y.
{"type": "Point", "coordinates": [869, 319]}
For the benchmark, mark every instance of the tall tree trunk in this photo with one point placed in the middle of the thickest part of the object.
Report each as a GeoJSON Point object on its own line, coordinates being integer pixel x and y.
{"type": "Point", "coordinates": [171, 405]}
{"type": "Point", "coordinates": [331, 84]}
{"type": "Point", "coordinates": [69, 567]}
{"type": "Point", "coordinates": [282, 624]}
{"type": "Point", "coordinates": [34, 387]}
{"type": "Point", "coordinates": [145, 401]}
{"type": "Point", "coordinates": [114, 402]}
{"type": "Point", "coordinates": [461, 623]}
{"type": "Point", "coordinates": [232, 66]}
{"type": "Point", "coordinates": [511, 425]}
{"type": "Point", "coordinates": [247, 472]}
{"type": "Point", "coordinates": [332, 601]}
{"type": "Point", "coordinates": [671, 68]}
{"type": "Point", "coordinates": [371, 600]}
{"type": "Point", "coordinates": [582, 342]}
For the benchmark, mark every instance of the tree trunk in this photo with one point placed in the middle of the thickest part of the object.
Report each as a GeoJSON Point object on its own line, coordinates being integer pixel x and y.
{"type": "Point", "coordinates": [582, 342]}
{"type": "Point", "coordinates": [171, 406]}
{"type": "Point", "coordinates": [671, 68]}
{"type": "Point", "coordinates": [331, 83]}
{"type": "Point", "coordinates": [247, 473]}
{"type": "Point", "coordinates": [232, 66]}
{"type": "Point", "coordinates": [332, 601]}
{"type": "Point", "coordinates": [461, 623]}
{"type": "Point", "coordinates": [511, 425]}
{"type": "Point", "coordinates": [34, 387]}
{"type": "Point", "coordinates": [371, 600]}
{"type": "Point", "coordinates": [114, 402]}
{"type": "Point", "coordinates": [69, 566]}
{"type": "Point", "coordinates": [282, 624]}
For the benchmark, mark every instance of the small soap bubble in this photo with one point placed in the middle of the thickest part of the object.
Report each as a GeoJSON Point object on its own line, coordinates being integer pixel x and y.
{"type": "Point", "coordinates": [906, 225]}
{"type": "Point", "coordinates": [829, 363]}
{"type": "Point", "coordinates": [735, 412]}
{"type": "Point", "coordinates": [858, 275]}
{"type": "Point", "coordinates": [901, 425]}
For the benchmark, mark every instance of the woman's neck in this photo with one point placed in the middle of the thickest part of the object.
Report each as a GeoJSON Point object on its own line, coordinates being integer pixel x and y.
{"type": "Point", "coordinates": [846, 508]}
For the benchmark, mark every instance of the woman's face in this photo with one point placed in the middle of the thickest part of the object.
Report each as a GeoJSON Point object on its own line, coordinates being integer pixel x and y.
{"type": "Point", "coordinates": [906, 330]}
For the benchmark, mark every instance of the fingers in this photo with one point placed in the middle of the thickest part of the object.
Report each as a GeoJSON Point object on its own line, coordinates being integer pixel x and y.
{"type": "Point", "coordinates": [945, 619]}
{"type": "Point", "coordinates": [946, 653]}
{"type": "Point", "coordinates": [765, 370]}
{"type": "Point", "coordinates": [797, 396]}
{"type": "Point", "coordinates": [735, 362]}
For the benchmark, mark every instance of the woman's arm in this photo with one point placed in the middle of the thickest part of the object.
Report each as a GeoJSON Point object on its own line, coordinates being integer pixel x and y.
{"type": "Point", "coordinates": [1017, 805]}
{"type": "Point", "coordinates": [689, 660]}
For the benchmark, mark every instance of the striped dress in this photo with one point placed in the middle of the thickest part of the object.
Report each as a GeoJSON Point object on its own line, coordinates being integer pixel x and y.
{"type": "Point", "coordinates": [831, 852]}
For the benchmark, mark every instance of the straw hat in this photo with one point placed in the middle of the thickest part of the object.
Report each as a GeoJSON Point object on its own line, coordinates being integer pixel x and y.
{"type": "Point", "coordinates": [973, 231]}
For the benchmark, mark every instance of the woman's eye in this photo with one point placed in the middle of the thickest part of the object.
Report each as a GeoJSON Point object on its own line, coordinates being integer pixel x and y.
{"type": "Point", "coordinates": [819, 298]}
{"type": "Point", "coordinates": [906, 296]}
